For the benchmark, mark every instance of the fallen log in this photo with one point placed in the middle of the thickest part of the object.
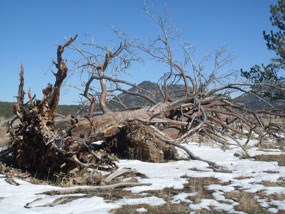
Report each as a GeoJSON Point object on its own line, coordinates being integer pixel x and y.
{"type": "Point", "coordinates": [91, 189]}
{"type": "Point", "coordinates": [42, 145]}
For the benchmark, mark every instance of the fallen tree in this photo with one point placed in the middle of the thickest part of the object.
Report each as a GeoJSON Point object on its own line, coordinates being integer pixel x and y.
{"type": "Point", "coordinates": [149, 133]}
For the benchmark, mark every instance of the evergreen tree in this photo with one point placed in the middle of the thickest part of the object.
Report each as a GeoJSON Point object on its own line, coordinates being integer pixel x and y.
{"type": "Point", "coordinates": [275, 41]}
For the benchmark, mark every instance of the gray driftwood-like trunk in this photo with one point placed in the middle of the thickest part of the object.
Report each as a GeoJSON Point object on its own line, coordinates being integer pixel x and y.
{"type": "Point", "coordinates": [43, 146]}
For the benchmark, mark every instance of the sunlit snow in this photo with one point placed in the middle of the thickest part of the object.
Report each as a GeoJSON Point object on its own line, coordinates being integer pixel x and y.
{"type": "Point", "coordinates": [25, 198]}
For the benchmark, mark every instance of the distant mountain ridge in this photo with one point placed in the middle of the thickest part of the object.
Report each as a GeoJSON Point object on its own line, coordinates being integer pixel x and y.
{"type": "Point", "coordinates": [146, 88]}
{"type": "Point", "coordinates": [247, 100]}
{"type": "Point", "coordinates": [256, 103]}
{"type": "Point", "coordinates": [250, 101]}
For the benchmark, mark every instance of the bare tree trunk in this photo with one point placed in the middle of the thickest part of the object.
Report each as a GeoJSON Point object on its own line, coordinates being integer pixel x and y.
{"type": "Point", "coordinates": [147, 133]}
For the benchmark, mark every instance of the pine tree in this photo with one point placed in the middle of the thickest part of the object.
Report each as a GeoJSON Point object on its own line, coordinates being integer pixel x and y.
{"type": "Point", "coordinates": [275, 41]}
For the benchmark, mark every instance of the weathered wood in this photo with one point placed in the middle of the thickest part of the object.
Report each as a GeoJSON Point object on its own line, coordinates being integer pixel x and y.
{"type": "Point", "coordinates": [91, 189]}
{"type": "Point", "coordinates": [106, 125]}
{"type": "Point", "coordinates": [41, 144]}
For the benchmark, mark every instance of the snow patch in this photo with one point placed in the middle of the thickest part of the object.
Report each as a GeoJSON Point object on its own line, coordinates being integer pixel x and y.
{"type": "Point", "coordinates": [141, 210]}
{"type": "Point", "coordinates": [182, 197]}
{"type": "Point", "coordinates": [242, 174]}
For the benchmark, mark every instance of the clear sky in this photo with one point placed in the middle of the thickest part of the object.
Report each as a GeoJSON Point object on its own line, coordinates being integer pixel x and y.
{"type": "Point", "coordinates": [31, 29]}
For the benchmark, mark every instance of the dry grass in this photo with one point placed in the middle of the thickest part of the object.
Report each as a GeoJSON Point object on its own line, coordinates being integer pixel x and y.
{"type": "Point", "coordinates": [271, 171]}
{"type": "Point", "coordinates": [199, 186]}
{"type": "Point", "coordinates": [279, 158]}
{"type": "Point", "coordinates": [172, 209]}
{"type": "Point", "coordinates": [278, 143]}
{"type": "Point", "coordinates": [166, 209]}
{"type": "Point", "coordinates": [276, 196]}
{"type": "Point", "coordinates": [272, 184]}
{"type": "Point", "coordinates": [169, 207]}
{"type": "Point", "coordinates": [115, 194]}
{"type": "Point", "coordinates": [281, 144]}
{"type": "Point", "coordinates": [194, 185]}
{"type": "Point", "coordinates": [243, 177]}
{"type": "Point", "coordinates": [247, 202]}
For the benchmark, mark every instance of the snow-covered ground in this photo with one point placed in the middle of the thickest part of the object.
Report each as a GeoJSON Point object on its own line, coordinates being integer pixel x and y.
{"type": "Point", "coordinates": [244, 175]}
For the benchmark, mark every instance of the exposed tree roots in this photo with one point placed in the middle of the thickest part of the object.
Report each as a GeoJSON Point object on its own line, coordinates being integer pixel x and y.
{"type": "Point", "coordinates": [71, 149]}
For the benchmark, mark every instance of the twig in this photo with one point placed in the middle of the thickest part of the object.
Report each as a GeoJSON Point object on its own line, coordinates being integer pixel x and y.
{"type": "Point", "coordinates": [166, 139]}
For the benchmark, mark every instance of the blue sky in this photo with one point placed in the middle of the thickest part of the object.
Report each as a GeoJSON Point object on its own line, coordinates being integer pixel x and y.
{"type": "Point", "coordinates": [31, 29]}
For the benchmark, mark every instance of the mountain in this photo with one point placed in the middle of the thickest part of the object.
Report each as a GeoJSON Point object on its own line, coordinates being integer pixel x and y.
{"type": "Point", "coordinates": [256, 103]}
{"type": "Point", "coordinates": [155, 91]}
{"type": "Point", "coordinates": [146, 88]}
{"type": "Point", "coordinates": [250, 101]}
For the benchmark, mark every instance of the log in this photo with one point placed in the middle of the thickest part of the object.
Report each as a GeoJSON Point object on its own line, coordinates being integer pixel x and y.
{"type": "Point", "coordinates": [60, 149]}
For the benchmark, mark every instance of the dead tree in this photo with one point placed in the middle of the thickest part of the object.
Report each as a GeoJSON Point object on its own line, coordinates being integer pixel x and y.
{"type": "Point", "coordinates": [205, 108]}
{"type": "Point", "coordinates": [148, 133]}
{"type": "Point", "coordinates": [37, 145]}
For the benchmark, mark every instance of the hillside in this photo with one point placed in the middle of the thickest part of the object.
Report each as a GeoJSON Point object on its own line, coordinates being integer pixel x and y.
{"type": "Point", "coordinates": [250, 101]}
{"type": "Point", "coordinates": [256, 103]}
{"type": "Point", "coordinates": [7, 112]}
{"type": "Point", "coordinates": [6, 109]}
{"type": "Point", "coordinates": [149, 89]}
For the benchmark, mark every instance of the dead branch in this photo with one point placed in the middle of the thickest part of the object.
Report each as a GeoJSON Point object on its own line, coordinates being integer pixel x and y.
{"type": "Point", "coordinates": [21, 93]}
{"type": "Point", "coordinates": [91, 189]}
{"type": "Point", "coordinates": [36, 143]}
{"type": "Point", "coordinates": [60, 76]}
{"type": "Point", "coordinates": [116, 174]}
{"type": "Point", "coordinates": [150, 133]}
